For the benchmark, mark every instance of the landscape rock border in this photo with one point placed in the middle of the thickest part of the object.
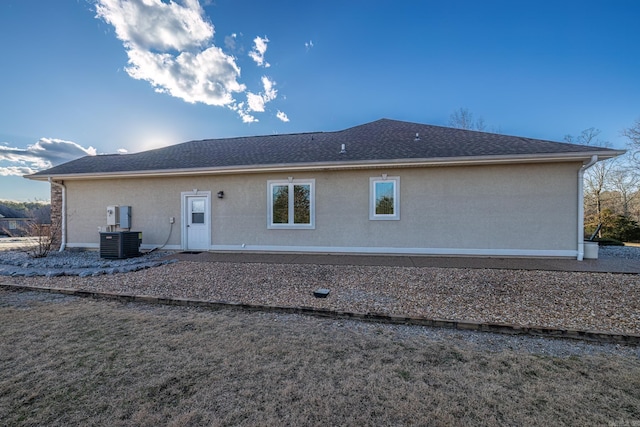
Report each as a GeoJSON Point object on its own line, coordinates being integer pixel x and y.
{"type": "Point", "coordinates": [75, 263]}
{"type": "Point", "coordinates": [547, 332]}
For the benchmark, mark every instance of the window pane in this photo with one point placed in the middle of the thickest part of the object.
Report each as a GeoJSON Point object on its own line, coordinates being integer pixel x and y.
{"type": "Point", "coordinates": [280, 204]}
{"type": "Point", "coordinates": [384, 198]}
{"type": "Point", "coordinates": [197, 206]}
{"type": "Point", "coordinates": [302, 204]}
{"type": "Point", "coordinates": [197, 218]}
{"type": "Point", "coordinates": [197, 211]}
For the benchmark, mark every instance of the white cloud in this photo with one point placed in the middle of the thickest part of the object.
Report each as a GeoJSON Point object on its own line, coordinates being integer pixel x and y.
{"type": "Point", "coordinates": [269, 92]}
{"type": "Point", "coordinates": [282, 116]}
{"type": "Point", "coordinates": [247, 118]}
{"type": "Point", "coordinates": [256, 102]}
{"type": "Point", "coordinates": [243, 112]}
{"type": "Point", "coordinates": [230, 42]}
{"type": "Point", "coordinates": [308, 45]}
{"type": "Point", "coordinates": [16, 171]}
{"type": "Point", "coordinates": [170, 45]}
{"type": "Point", "coordinates": [208, 77]}
{"type": "Point", "coordinates": [45, 153]}
{"type": "Point", "coordinates": [258, 51]}
{"type": "Point", "coordinates": [155, 25]}
{"type": "Point", "coordinates": [59, 150]}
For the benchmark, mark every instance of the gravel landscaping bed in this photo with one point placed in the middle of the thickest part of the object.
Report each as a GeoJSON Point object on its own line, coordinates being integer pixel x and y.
{"type": "Point", "coordinates": [571, 300]}
{"type": "Point", "coordinates": [74, 263]}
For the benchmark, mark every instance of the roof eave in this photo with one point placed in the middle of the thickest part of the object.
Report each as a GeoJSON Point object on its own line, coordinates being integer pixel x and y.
{"type": "Point", "coordinates": [344, 165]}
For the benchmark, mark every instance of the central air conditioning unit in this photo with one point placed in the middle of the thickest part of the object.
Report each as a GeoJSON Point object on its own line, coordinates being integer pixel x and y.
{"type": "Point", "coordinates": [120, 244]}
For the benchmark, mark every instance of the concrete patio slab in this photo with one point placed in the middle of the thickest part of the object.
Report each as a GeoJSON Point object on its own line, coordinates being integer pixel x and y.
{"type": "Point", "coordinates": [602, 265]}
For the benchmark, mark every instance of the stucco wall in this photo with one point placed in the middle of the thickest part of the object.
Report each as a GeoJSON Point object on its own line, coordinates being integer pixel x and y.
{"type": "Point", "coordinates": [516, 207]}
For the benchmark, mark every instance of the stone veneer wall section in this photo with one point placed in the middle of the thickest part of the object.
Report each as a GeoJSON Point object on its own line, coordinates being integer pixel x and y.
{"type": "Point", "coordinates": [56, 216]}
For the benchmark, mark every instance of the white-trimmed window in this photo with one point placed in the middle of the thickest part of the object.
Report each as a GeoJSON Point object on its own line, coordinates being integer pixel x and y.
{"type": "Point", "coordinates": [291, 203]}
{"type": "Point", "coordinates": [384, 198]}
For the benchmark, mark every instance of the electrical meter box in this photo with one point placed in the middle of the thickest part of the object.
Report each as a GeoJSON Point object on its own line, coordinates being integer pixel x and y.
{"type": "Point", "coordinates": [113, 214]}
{"type": "Point", "coordinates": [124, 216]}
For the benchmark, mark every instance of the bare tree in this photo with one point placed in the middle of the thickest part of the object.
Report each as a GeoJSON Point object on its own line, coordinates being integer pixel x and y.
{"type": "Point", "coordinates": [633, 134]}
{"type": "Point", "coordinates": [42, 231]}
{"type": "Point", "coordinates": [462, 118]}
{"type": "Point", "coordinates": [597, 178]}
{"type": "Point", "coordinates": [625, 182]}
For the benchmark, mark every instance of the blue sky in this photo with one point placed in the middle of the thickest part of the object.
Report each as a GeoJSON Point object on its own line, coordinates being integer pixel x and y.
{"type": "Point", "coordinates": [84, 77]}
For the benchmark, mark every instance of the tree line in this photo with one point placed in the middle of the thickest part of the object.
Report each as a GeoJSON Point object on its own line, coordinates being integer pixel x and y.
{"type": "Point", "coordinates": [37, 210]}
{"type": "Point", "coordinates": [612, 188]}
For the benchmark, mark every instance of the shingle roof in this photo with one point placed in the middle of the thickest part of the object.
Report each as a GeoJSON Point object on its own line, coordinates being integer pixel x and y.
{"type": "Point", "coordinates": [7, 212]}
{"type": "Point", "coordinates": [378, 141]}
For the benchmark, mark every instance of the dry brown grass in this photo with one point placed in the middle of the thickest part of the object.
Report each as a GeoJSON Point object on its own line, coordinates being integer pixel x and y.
{"type": "Point", "coordinates": [84, 362]}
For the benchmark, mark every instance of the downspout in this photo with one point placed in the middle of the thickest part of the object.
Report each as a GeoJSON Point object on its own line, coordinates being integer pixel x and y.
{"type": "Point", "coordinates": [583, 168]}
{"type": "Point", "coordinates": [63, 214]}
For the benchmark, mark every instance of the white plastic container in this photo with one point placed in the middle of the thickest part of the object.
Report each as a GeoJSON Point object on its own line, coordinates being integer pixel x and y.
{"type": "Point", "coordinates": [590, 250]}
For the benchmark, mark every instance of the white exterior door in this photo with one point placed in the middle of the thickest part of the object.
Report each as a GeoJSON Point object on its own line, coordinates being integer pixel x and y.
{"type": "Point", "coordinates": [197, 223]}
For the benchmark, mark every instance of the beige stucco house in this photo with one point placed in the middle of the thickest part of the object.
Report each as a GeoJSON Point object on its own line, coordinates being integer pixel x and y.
{"type": "Point", "coordinates": [386, 187]}
{"type": "Point", "coordinates": [12, 222]}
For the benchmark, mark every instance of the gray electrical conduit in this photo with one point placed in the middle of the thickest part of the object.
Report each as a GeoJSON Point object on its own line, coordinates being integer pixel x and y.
{"type": "Point", "coordinates": [165, 242]}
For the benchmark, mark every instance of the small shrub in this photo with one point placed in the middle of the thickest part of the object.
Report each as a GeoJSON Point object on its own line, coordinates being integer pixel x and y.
{"type": "Point", "coordinates": [43, 234]}
{"type": "Point", "coordinates": [625, 229]}
{"type": "Point", "coordinates": [617, 227]}
{"type": "Point", "coordinates": [609, 242]}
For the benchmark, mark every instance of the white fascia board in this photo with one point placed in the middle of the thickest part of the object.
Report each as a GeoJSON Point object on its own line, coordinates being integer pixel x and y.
{"type": "Point", "coordinates": [361, 164]}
